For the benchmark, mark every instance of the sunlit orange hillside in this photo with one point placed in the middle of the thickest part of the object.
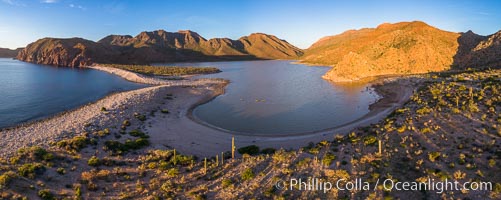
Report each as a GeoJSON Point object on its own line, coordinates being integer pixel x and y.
{"type": "Point", "coordinates": [400, 48]}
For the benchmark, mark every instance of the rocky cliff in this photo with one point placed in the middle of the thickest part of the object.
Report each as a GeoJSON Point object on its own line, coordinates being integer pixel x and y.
{"type": "Point", "coordinates": [156, 46]}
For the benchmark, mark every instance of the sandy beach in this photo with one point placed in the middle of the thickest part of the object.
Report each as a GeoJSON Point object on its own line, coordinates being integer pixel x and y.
{"type": "Point", "coordinates": [179, 129]}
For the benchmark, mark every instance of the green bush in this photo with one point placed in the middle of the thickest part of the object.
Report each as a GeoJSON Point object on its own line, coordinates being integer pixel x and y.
{"type": "Point", "coordinates": [61, 171]}
{"type": "Point", "coordinates": [94, 161]}
{"type": "Point", "coordinates": [247, 174]}
{"type": "Point", "coordinates": [36, 153]}
{"type": "Point", "coordinates": [126, 123]}
{"type": "Point", "coordinates": [45, 194]}
{"type": "Point", "coordinates": [328, 158]}
{"type": "Point", "coordinates": [140, 117]}
{"type": "Point", "coordinates": [165, 111]}
{"type": "Point", "coordinates": [226, 183]}
{"type": "Point", "coordinates": [30, 170]}
{"type": "Point", "coordinates": [138, 133]}
{"type": "Point", "coordinates": [251, 150]}
{"type": "Point", "coordinates": [370, 140]}
{"type": "Point", "coordinates": [119, 148]}
{"type": "Point", "coordinates": [75, 144]}
{"type": "Point", "coordinates": [433, 156]}
{"type": "Point", "coordinates": [6, 178]}
{"type": "Point", "coordinates": [166, 70]}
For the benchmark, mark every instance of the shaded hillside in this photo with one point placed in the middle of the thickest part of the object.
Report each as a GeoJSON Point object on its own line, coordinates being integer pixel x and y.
{"type": "Point", "coordinates": [156, 46]}
{"type": "Point", "coordinates": [8, 53]}
{"type": "Point", "coordinates": [478, 51]}
{"type": "Point", "coordinates": [66, 52]}
{"type": "Point", "coordinates": [400, 48]}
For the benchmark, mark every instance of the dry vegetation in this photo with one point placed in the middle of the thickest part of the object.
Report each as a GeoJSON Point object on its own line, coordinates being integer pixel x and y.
{"type": "Point", "coordinates": [449, 129]}
{"type": "Point", "coordinates": [164, 70]}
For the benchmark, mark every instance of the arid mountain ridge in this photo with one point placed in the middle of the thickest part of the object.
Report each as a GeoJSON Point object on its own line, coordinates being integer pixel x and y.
{"type": "Point", "coordinates": [402, 48]}
{"type": "Point", "coordinates": [156, 46]}
{"type": "Point", "coordinates": [389, 49]}
{"type": "Point", "coordinates": [9, 53]}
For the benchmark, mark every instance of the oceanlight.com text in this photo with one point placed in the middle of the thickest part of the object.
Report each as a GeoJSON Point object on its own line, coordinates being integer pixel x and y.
{"type": "Point", "coordinates": [316, 184]}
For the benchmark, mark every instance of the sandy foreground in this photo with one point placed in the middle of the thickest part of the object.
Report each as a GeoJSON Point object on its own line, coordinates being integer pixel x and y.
{"type": "Point", "coordinates": [178, 129]}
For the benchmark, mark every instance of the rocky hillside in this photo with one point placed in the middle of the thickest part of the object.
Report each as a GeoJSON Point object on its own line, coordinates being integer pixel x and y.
{"type": "Point", "coordinates": [8, 53]}
{"type": "Point", "coordinates": [156, 46]}
{"type": "Point", "coordinates": [478, 51]}
{"type": "Point", "coordinates": [400, 48]}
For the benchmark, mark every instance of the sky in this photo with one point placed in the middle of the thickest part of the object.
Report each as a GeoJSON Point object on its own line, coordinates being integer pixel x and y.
{"type": "Point", "coordinates": [300, 22]}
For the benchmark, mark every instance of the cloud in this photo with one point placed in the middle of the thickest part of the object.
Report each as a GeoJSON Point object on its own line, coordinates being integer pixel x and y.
{"type": "Point", "coordinates": [49, 1]}
{"type": "Point", "coordinates": [13, 3]}
{"type": "Point", "coordinates": [77, 6]}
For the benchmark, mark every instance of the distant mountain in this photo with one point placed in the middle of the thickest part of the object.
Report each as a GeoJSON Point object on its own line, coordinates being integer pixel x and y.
{"type": "Point", "coordinates": [478, 51]}
{"type": "Point", "coordinates": [400, 48]}
{"type": "Point", "coordinates": [9, 53]}
{"type": "Point", "coordinates": [156, 46]}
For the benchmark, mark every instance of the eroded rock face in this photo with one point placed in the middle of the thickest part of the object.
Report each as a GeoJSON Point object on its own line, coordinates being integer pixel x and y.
{"type": "Point", "coordinates": [155, 46]}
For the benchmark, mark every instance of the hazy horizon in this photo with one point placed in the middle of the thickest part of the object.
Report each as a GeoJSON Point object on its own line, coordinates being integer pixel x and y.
{"type": "Point", "coordinates": [299, 22]}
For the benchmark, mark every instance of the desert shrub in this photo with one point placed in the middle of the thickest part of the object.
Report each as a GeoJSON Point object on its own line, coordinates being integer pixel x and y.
{"type": "Point", "coordinates": [226, 183]}
{"type": "Point", "coordinates": [30, 169]}
{"type": "Point", "coordinates": [303, 163]}
{"type": "Point", "coordinates": [138, 133]}
{"type": "Point", "coordinates": [433, 156]}
{"type": "Point", "coordinates": [119, 148]}
{"type": "Point", "coordinates": [166, 70]}
{"type": "Point", "coordinates": [61, 171]}
{"type": "Point", "coordinates": [281, 156]}
{"type": "Point", "coordinates": [140, 117]}
{"type": "Point", "coordinates": [423, 110]}
{"type": "Point", "coordinates": [353, 138]}
{"type": "Point", "coordinates": [94, 161]}
{"type": "Point", "coordinates": [75, 144]}
{"type": "Point", "coordinates": [402, 128]}
{"type": "Point", "coordinates": [426, 130]}
{"type": "Point", "coordinates": [182, 160]}
{"type": "Point", "coordinates": [165, 111]}
{"type": "Point", "coordinates": [35, 153]}
{"type": "Point", "coordinates": [136, 144]}
{"type": "Point", "coordinates": [172, 172]}
{"type": "Point", "coordinates": [370, 140]}
{"type": "Point", "coordinates": [328, 158]}
{"type": "Point", "coordinates": [251, 150]}
{"type": "Point", "coordinates": [114, 146]}
{"type": "Point", "coordinates": [126, 123]}
{"type": "Point", "coordinates": [45, 194]}
{"type": "Point", "coordinates": [103, 132]}
{"type": "Point", "coordinates": [6, 178]}
{"type": "Point", "coordinates": [247, 174]}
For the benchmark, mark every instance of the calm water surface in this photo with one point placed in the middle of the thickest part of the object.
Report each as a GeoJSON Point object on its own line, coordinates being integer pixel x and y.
{"type": "Point", "coordinates": [29, 91]}
{"type": "Point", "coordinates": [278, 97]}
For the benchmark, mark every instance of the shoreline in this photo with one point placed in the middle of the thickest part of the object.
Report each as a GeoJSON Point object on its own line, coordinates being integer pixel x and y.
{"type": "Point", "coordinates": [180, 129]}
